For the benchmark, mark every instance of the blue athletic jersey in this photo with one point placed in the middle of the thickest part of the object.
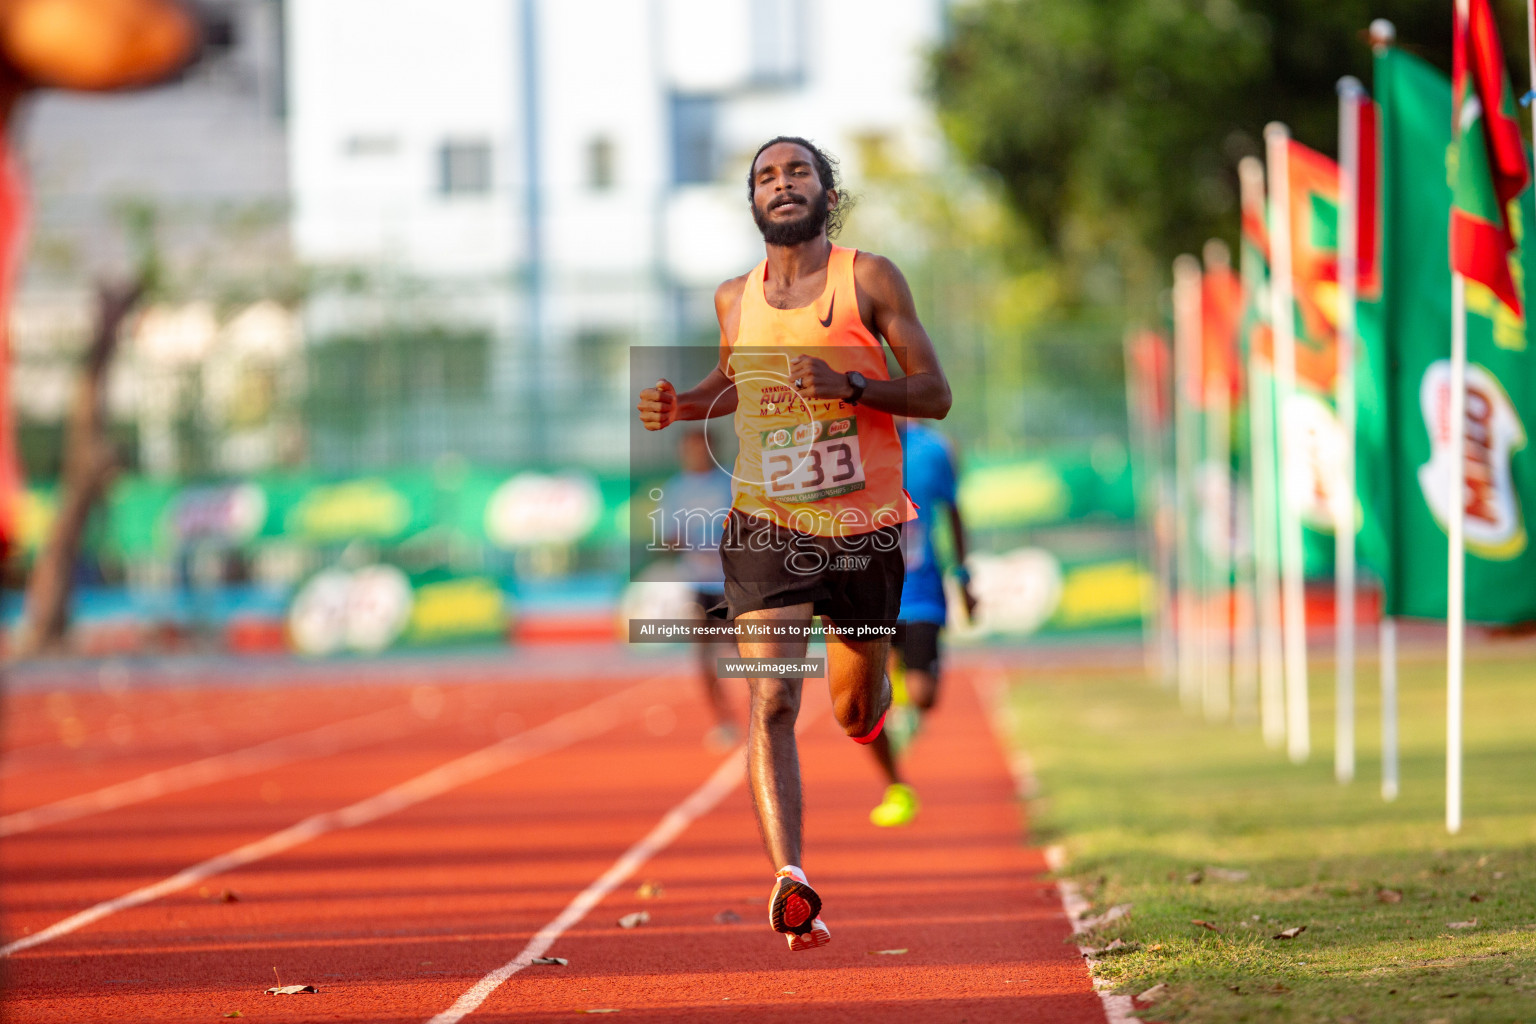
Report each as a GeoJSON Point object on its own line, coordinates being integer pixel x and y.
{"type": "Point", "coordinates": [930, 479]}
{"type": "Point", "coordinates": [693, 509]}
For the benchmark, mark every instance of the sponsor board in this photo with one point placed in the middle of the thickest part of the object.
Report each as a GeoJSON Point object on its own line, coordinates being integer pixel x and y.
{"type": "Point", "coordinates": [533, 509]}
{"type": "Point", "coordinates": [378, 607]}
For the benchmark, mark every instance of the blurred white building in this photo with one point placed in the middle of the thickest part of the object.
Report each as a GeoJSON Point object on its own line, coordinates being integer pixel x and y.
{"type": "Point", "coordinates": [200, 165]}
{"type": "Point", "coordinates": [513, 192]}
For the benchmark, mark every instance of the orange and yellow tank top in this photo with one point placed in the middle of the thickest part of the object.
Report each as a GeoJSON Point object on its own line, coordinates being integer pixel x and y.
{"type": "Point", "coordinates": [823, 467]}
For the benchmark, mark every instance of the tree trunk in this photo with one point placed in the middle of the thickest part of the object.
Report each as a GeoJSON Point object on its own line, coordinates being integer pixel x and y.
{"type": "Point", "coordinates": [90, 463]}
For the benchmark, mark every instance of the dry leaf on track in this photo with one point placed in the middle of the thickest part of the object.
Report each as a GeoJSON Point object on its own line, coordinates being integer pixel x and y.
{"type": "Point", "coordinates": [550, 961]}
{"type": "Point", "coordinates": [650, 890]}
{"type": "Point", "coordinates": [886, 952]}
{"type": "Point", "coordinates": [634, 920]}
{"type": "Point", "coordinates": [290, 990]}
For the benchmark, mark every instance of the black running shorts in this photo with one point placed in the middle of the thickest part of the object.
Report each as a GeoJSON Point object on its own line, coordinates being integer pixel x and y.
{"type": "Point", "coordinates": [847, 579]}
{"type": "Point", "coordinates": [919, 645]}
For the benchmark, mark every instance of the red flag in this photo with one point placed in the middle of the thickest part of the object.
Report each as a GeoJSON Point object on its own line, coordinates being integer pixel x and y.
{"type": "Point", "coordinates": [1221, 316]}
{"type": "Point", "coordinates": [1255, 264]}
{"type": "Point", "coordinates": [1490, 167]}
{"type": "Point", "coordinates": [13, 227]}
{"type": "Point", "coordinates": [1314, 205]}
{"type": "Point", "coordinates": [1368, 204]}
{"type": "Point", "coordinates": [1152, 369]}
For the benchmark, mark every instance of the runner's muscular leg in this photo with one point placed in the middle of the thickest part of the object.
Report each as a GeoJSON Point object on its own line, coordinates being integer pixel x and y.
{"type": "Point", "coordinates": [861, 691]}
{"type": "Point", "coordinates": [921, 686]}
{"type": "Point", "coordinates": [773, 760]}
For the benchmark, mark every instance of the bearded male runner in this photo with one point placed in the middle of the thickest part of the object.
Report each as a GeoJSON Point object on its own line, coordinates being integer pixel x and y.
{"type": "Point", "coordinates": [818, 502]}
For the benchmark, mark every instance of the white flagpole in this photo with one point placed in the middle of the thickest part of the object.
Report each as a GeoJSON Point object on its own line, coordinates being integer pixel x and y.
{"type": "Point", "coordinates": [1351, 94]}
{"type": "Point", "coordinates": [1245, 652]}
{"type": "Point", "coordinates": [1144, 478]}
{"type": "Point", "coordinates": [1186, 374]}
{"type": "Point", "coordinates": [1261, 436]}
{"type": "Point", "coordinates": [1455, 603]}
{"type": "Point", "coordinates": [1388, 640]}
{"type": "Point", "coordinates": [1530, 39]}
{"type": "Point", "coordinates": [1217, 604]}
{"type": "Point", "coordinates": [1298, 740]}
{"type": "Point", "coordinates": [1383, 34]}
{"type": "Point", "coordinates": [1167, 642]}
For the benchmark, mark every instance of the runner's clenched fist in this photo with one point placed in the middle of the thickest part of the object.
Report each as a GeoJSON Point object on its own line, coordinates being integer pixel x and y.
{"type": "Point", "coordinates": [658, 405]}
{"type": "Point", "coordinates": [814, 379]}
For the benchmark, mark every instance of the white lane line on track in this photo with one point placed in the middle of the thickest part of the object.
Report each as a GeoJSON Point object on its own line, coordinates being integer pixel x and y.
{"type": "Point", "coordinates": [583, 723]}
{"type": "Point", "coordinates": [375, 727]}
{"type": "Point", "coordinates": [699, 803]}
{"type": "Point", "coordinates": [992, 691]}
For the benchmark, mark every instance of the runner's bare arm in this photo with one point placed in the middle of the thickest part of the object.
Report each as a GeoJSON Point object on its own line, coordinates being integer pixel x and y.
{"type": "Point", "coordinates": [957, 531]}
{"type": "Point", "coordinates": [713, 396]}
{"type": "Point", "coordinates": [886, 305]}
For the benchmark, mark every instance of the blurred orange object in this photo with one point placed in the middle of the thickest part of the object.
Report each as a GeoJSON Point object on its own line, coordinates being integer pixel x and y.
{"type": "Point", "coordinates": [95, 45]}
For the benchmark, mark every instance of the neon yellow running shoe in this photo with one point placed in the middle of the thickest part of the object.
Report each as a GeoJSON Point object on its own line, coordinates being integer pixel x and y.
{"type": "Point", "coordinates": [898, 808]}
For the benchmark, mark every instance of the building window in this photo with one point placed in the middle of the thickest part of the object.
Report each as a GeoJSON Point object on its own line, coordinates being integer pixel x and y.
{"type": "Point", "coordinates": [694, 145]}
{"type": "Point", "coordinates": [221, 34]}
{"type": "Point", "coordinates": [464, 168]}
{"type": "Point", "coordinates": [600, 164]}
{"type": "Point", "coordinates": [370, 145]}
{"type": "Point", "coordinates": [778, 43]}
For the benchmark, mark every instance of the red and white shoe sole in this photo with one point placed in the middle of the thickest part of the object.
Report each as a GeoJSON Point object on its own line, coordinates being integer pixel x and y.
{"type": "Point", "coordinates": [818, 936]}
{"type": "Point", "coordinates": [792, 905]}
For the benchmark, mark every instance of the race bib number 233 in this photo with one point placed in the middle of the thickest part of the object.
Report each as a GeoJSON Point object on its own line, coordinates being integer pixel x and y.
{"type": "Point", "coordinates": [812, 461]}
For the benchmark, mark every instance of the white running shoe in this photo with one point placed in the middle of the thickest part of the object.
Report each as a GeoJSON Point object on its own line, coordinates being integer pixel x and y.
{"type": "Point", "coordinates": [818, 936]}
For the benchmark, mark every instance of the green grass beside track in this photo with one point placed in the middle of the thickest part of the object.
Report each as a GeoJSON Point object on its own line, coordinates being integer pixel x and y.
{"type": "Point", "coordinates": [1145, 799]}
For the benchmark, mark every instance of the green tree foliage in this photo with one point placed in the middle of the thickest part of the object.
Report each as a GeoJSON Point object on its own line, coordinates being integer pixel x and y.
{"type": "Point", "coordinates": [1114, 126]}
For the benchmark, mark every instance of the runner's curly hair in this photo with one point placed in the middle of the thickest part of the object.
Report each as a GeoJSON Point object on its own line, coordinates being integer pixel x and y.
{"type": "Point", "coordinates": [826, 170]}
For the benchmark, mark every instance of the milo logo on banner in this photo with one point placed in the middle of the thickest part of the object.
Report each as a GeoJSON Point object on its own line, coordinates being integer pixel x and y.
{"type": "Point", "coordinates": [1495, 528]}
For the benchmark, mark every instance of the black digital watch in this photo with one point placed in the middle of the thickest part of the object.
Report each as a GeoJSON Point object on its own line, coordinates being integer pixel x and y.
{"type": "Point", "coordinates": [856, 381]}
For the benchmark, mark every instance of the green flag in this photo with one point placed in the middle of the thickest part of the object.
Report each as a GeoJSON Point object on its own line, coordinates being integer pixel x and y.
{"type": "Point", "coordinates": [1404, 454]}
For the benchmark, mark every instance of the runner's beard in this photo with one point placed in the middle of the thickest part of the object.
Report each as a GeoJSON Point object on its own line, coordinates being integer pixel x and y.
{"type": "Point", "coordinates": [796, 231]}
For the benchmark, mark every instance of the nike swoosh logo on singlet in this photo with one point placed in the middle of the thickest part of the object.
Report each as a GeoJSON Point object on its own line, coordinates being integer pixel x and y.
{"type": "Point", "coordinates": [830, 307]}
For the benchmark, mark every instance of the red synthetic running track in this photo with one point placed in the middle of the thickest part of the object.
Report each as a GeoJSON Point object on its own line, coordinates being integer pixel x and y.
{"type": "Point", "coordinates": [396, 918]}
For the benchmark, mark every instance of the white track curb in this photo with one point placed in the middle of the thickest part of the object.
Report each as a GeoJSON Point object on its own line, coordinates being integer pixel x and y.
{"type": "Point", "coordinates": [990, 688]}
